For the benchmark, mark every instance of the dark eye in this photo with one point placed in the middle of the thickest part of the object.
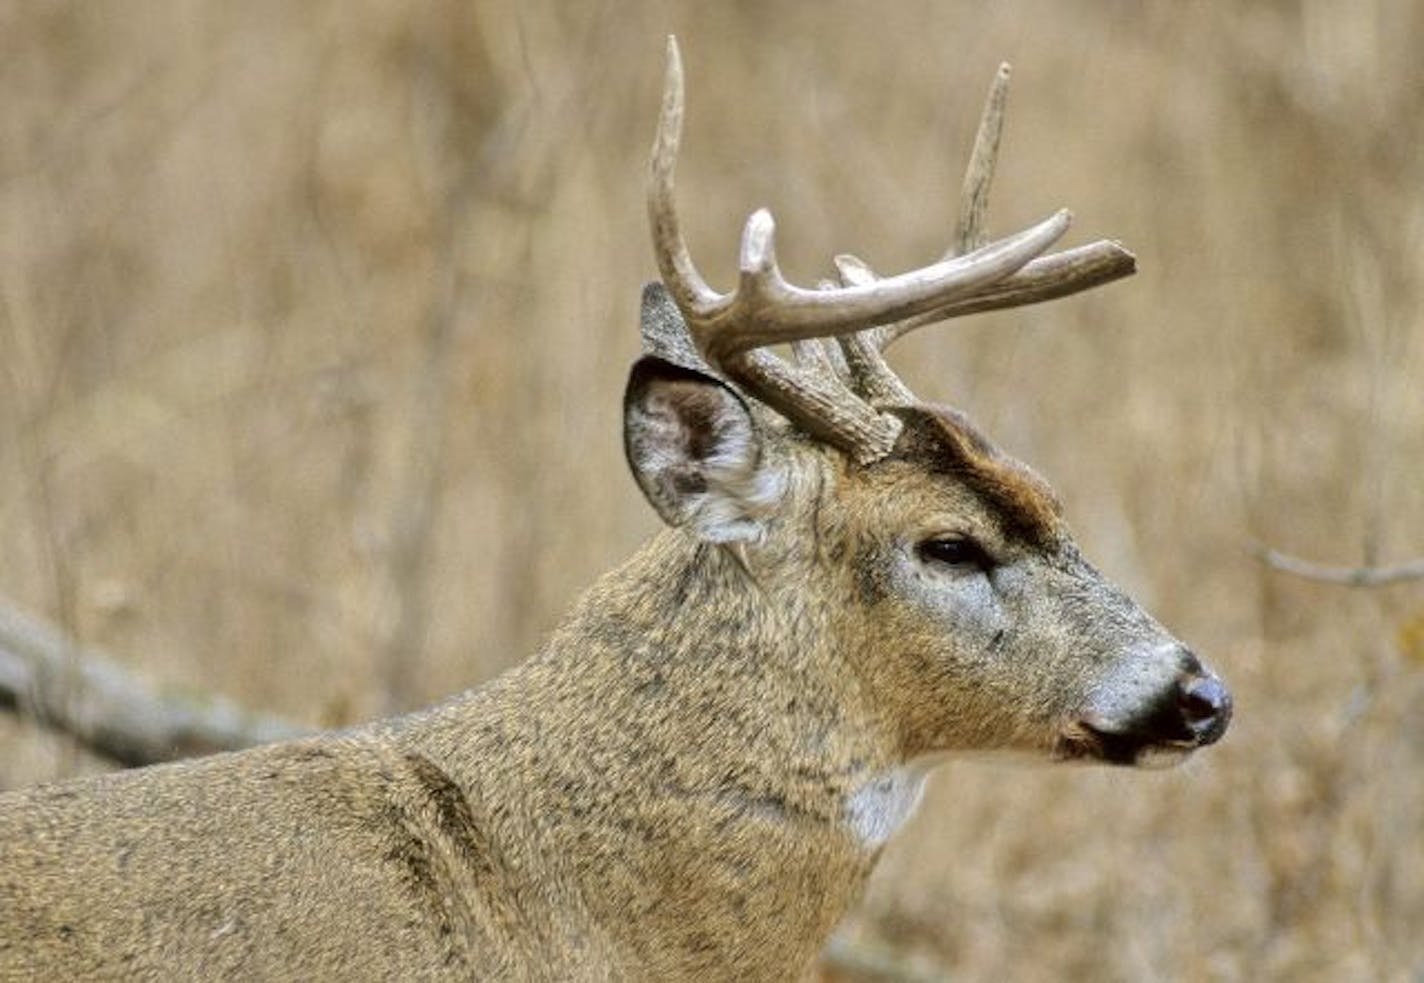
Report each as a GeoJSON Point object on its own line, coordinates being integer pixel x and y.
{"type": "Point", "coordinates": [955, 551]}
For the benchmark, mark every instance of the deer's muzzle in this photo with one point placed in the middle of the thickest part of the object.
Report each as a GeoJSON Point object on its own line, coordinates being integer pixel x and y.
{"type": "Point", "coordinates": [1157, 726]}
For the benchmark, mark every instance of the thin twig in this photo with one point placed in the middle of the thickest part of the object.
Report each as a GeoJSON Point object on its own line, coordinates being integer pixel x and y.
{"type": "Point", "coordinates": [1343, 576]}
{"type": "Point", "coordinates": [112, 712]}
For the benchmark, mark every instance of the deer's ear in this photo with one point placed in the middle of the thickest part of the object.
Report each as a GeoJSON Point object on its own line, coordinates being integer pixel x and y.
{"type": "Point", "coordinates": [697, 453]}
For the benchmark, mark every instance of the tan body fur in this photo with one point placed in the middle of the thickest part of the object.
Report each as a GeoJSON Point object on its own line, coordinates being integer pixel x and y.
{"type": "Point", "coordinates": [507, 834]}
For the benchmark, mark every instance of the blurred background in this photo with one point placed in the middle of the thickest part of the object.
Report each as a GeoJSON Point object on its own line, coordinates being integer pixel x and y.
{"type": "Point", "coordinates": [314, 320]}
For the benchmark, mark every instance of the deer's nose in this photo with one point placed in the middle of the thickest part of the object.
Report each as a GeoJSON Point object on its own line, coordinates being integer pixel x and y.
{"type": "Point", "coordinates": [1205, 705]}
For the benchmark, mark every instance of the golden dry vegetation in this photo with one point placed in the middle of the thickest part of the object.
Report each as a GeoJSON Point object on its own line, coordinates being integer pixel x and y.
{"type": "Point", "coordinates": [313, 326]}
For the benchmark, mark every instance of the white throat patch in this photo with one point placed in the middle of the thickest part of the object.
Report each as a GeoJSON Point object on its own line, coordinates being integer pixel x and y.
{"type": "Point", "coordinates": [877, 809]}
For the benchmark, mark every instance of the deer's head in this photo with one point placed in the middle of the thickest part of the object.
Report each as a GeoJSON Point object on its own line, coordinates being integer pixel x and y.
{"type": "Point", "coordinates": [950, 582]}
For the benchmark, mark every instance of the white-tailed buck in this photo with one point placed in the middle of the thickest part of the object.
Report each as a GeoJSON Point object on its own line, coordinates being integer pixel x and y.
{"type": "Point", "coordinates": [695, 775]}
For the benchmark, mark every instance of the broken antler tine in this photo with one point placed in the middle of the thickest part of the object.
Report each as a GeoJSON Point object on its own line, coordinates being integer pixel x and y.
{"type": "Point", "coordinates": [674, 262]}
{"type": "Point", "coordinates": [871, 375]}
{"type": "Point", "coordinates": [821, 354]}
{"type": "Point", "coordinates": [854, 270]}
{"type": "Point", "coordinates": [810, 355]}
{"type": "Point", "coordinates": [979, 175]}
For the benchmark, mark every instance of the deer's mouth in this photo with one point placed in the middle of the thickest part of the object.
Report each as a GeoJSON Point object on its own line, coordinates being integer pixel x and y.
{"type": "Point", "coordinates": [1081, 741]}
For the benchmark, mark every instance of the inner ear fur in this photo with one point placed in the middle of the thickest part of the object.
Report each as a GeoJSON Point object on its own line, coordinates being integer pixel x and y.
{"type": "Point", "coordinates": [697, 453]}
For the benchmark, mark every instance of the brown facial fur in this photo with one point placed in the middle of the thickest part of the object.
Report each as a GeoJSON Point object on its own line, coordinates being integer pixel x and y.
{"type": "Point", "coordinates": [943, 441]}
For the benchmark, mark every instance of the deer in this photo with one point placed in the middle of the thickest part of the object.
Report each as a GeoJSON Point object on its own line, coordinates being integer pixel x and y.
{"type": "Point", "coordinates": [695, 776]}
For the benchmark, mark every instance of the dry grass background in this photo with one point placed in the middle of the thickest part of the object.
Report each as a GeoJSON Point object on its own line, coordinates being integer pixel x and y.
{"type": "Point", "coordinates": [313, 326]}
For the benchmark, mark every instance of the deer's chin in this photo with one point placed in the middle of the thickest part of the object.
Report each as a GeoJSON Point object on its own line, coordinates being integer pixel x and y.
{"type": "Point", "coordinates": [1082, 741]}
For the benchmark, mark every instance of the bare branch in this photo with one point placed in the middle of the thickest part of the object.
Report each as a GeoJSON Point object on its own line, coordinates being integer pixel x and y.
{"type": "Point", "coordinates": [112, 712]}
{"type": "Point", "coordinates": [1343, 576]}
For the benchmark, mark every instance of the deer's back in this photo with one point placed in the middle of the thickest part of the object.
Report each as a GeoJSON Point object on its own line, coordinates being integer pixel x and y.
{"type": "Point", "coordinates": [331, 858]}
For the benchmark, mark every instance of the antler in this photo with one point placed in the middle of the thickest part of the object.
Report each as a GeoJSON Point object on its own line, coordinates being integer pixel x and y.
{"type": "Point", "coordinates": [839, 400]}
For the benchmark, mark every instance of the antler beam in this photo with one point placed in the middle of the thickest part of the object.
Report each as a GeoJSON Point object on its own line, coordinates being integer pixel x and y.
{"type": "Point", "coordinates": [866, 312]}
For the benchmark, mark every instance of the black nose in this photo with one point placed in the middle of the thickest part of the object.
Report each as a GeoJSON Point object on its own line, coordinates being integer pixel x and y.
{"type": "Point", "coordinates": [1205, 705]}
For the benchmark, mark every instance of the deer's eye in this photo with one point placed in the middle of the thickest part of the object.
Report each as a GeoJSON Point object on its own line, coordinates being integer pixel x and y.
{"type": "Point", "coordinates": [962, 552]}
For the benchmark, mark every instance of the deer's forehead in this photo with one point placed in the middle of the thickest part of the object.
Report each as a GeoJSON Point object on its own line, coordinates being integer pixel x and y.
{"type": "Point", "coordinates": [942, 460]}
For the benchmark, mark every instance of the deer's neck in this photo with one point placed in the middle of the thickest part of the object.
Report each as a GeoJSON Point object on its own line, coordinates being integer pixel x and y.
{"type": "Point", "coordinates": [691, 741]}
